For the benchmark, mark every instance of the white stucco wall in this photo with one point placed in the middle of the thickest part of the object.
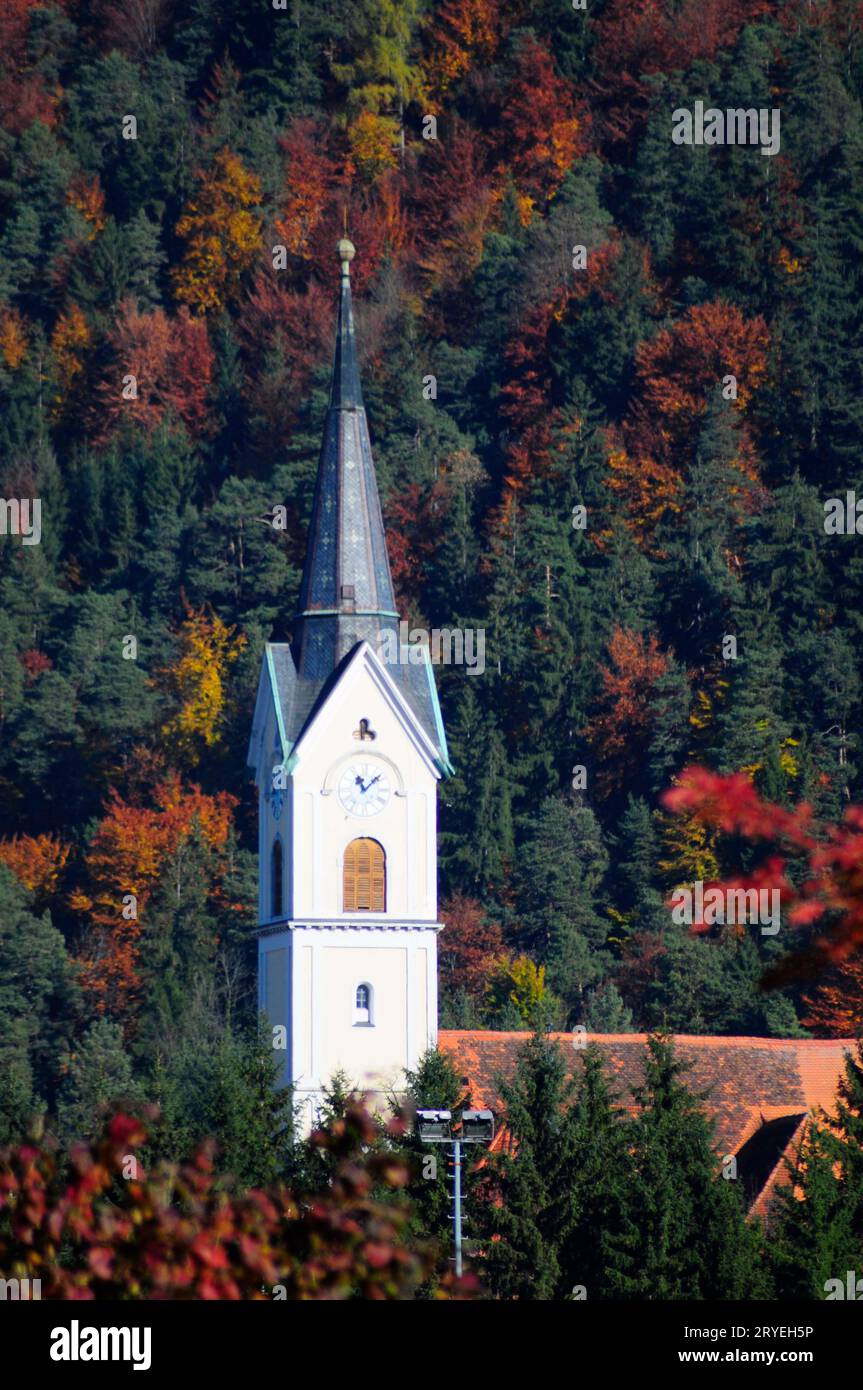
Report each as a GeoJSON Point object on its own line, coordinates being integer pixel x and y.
{"type": "Point", "coordinates": [311, 964]}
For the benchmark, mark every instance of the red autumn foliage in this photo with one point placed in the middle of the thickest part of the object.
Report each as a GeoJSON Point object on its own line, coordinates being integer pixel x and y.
{"type": "Point", "coordinates": [172, 362]}
{"type": "Point", "coordinates": [452, 202]}
{"type": "Point", "coordinates": [639, 38]}
{"type": "Point", "coordinates": [470, 946]}
{"type": "Point", "coordinates": [23, 96]}
{"type": "Point", "coordinates": [312, 181]}
{"type": "Point", "coordinates": [35, 663]}
{"type": "Point", "coordinates": [620, 730]}
{"type": "Point", "coordinates": [415, 520]}
{"type": "Point", "coordinates": [542, 129]}
{"type": "Point", "coordinates": [376, 223]}
{"type": "Point", "coordinates": [287, 334]}
{"type": "Point", "coordinates": [178, 1232]}
{"type": "Point", "coordinates": [830, 898]}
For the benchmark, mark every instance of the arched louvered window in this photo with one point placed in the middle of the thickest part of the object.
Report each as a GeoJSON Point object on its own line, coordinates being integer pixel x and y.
{"type": "Point", "coordinates": [364, 880]}
{"type": "Point", "coordinates": [277, 880]}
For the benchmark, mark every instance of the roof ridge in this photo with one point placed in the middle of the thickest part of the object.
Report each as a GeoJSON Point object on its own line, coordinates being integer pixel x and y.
{"type": "Point", "coordinates": [699, 1039]}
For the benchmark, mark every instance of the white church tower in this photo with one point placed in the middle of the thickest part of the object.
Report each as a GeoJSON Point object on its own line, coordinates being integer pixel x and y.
{"type": "Point", "coordinates": [347, 746]}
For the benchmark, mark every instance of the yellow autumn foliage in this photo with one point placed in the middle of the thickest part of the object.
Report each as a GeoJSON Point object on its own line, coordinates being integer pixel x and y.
{"type": "Point", "coordinates": [197, 683]}
{"type": "Point", "coordinates": [222, 231]}
{"type": "Point", "coordinates": [374, 141]}
{"type": "Point", "coordinates": [689, 850]}
{"type": "Point", "coordinates": [520, 981]}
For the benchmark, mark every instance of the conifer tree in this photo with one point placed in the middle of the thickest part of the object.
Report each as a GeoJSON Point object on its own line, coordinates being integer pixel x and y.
{"type": "Point", "coordinates": [530, 1210]}
{"type": "Point", "coordinates": [691, 1239]}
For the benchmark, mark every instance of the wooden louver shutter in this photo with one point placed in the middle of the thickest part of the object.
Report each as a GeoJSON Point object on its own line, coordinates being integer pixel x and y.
{"type": "Point", "coordinates": [364, 882]}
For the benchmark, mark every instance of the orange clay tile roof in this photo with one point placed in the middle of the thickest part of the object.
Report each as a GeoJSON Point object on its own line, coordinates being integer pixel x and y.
{"type": "Point", "coordinates": [751, 1083]}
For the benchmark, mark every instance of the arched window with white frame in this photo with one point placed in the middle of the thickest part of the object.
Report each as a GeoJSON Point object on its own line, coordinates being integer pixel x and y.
{"type": "Point", "coordinates": [363, 1017]}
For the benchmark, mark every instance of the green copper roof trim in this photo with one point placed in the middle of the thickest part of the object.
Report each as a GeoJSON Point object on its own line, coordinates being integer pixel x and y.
{"type": "Point", "coordinates": [274, 687]}
{"type": "Point", "coordinates": [445, 765]}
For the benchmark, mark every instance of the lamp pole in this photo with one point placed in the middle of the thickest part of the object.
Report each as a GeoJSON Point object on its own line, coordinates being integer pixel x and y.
{"type": "Point", "coordinates": [456, 1158]}
{"type": "Point", "coordinates": [435, 1127]}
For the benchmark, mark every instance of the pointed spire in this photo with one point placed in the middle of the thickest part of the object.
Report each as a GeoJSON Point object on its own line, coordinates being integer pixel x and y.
{"type": "Point", "coordinates": [347, 592]}
{"type": "Point", "coordinates": [346, 392]}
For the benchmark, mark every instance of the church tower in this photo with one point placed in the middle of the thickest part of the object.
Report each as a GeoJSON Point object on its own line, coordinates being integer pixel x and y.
{"type": "Point", "coordinates": [348, 746]}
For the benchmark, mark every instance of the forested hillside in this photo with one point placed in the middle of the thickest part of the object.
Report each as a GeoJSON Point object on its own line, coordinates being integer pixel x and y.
{"type": "Point", "coordinates": [552, 298]}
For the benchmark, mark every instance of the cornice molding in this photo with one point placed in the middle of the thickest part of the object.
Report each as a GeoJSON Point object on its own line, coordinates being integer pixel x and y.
{"type": "Point", "coordinates": [327, 924]}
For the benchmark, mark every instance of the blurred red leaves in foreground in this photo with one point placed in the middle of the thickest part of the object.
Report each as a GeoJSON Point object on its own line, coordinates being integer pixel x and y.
{"type": "Point", "coordinates": [830, 892]}
{"type": "Point", "coordinates": [90, 1231]}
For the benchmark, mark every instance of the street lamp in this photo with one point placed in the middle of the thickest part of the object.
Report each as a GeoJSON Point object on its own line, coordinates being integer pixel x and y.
{"type": "Point", "coordinates": [435, 1127]}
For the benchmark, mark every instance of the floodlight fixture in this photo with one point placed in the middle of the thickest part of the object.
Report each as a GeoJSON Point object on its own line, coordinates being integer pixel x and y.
{"type": "Point", "coordinates": [477, 1126]}
{"type": "Point", "coordinates": [434, 1126]}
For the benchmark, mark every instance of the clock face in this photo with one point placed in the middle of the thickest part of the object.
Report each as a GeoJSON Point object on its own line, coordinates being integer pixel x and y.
{"type": "Point", "coordinates": [364, 788]}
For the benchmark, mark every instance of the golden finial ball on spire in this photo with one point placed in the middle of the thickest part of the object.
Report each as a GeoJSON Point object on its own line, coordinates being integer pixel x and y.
{"type": "Point", "coordinates": [346, 251]}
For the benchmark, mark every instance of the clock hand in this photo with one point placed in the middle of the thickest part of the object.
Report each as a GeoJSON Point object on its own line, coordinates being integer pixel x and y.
{"type": "Point", "coordinates": [372, 782]}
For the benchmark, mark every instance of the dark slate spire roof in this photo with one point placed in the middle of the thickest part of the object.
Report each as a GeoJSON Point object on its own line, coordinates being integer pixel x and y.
{"type": "Point", "coordinates": [347, 591]}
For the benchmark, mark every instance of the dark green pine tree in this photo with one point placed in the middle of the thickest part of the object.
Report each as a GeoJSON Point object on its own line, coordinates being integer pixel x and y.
{"type": "Point", "coordinates": [691, 1239]}
{"type": "Point", "coordinates": [223, 1083]}
{"type": "Point", "coordinates": [178, 947]}
{"type": "Point", "coordinates": [476, 833]}
{"type": "Point", "coordinates": [601, 1199]}
{"type": "Point", "coordinates": [98, 1082]}
{"type": "Point", "coordinates": [606, 1011]}
{"type": "Point", "coordinates": [845, 1138]}
{"type": "Point", "coordinates": [622, 586]}
{"type": "Point", "coordinates": [752, 728]}
{"type": "Point", "coordinates": [653, 202]}
{"type": "Point", "coordinates": [559, 873]}
{"type": "Point", "coordinates": [698, 583]}
{"type": "Point", "coordinates": [635, 852]}
{"type": "Point", "coordinates": [812, 1238]}
{"type": "Point", "coordinates": [529, 1211]}
{"type": "Point", "coordinates": [39, 1007]}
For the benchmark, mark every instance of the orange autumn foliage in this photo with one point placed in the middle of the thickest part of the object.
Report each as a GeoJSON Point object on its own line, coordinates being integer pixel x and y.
{"type": "Point", "coordinates": [13, 339]}
{"type": "Point", "coordinates": [620, 730]}
{"type": "Point", "coordinates": [835, 1008]}
{"type": "Point", "coordinates": [70, 343]}
{"type": "Point", "coordinates": [37, 861]}
{"type": "Point", "coordinates": [87, 197]}
{"type": "Point", "coordinates": [471, 947]}
{"type": "Point", "coordinates": [460, 34]}
{"type": "Point", "coordinates": [126, 857]}
{"type": "Point", "coordinates": [675, 374]}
